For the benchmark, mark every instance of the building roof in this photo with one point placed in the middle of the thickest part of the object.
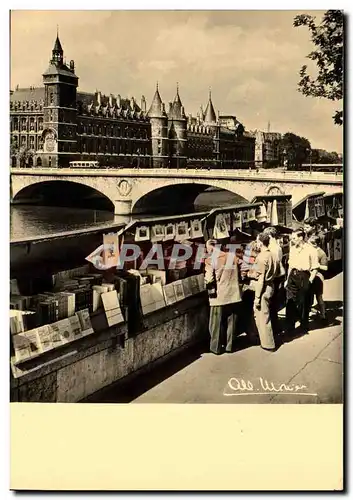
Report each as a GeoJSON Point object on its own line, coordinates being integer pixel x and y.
{"type": "Point", "coordinates": [157, 109]}
{"type": "Point", "coordinates": [59, 69]}
{"type": "Point", "coordinates": [177, 110]}
{"type": "Point", "coordinates": [28, 94]}
{"type": "Point", "coordinates": [57, 45]}
{"type": "Point", "coordinates": [210, 115]}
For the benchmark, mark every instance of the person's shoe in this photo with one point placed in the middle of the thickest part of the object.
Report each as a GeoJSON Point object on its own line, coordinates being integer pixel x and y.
{"type": "Point", "coordinates": [269, 349]}
{"type": "Point", "coordinates": [216, 353]}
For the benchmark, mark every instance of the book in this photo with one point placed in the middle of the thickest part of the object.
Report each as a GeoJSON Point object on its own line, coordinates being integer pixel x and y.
{"type": "Point", "coordinates": [179, 290]}
{"type": "Point", "coordinates": [142, 233]}
{"type": "Point", "coordinates": [44, 334]}
{"type": "Point", "coordinates": [187, 288]}
{"type": "Point", "coordinates": [34, 342]}
{"type": "Point", "coordinates": [220, 230]}
{"type": "Point", "coordinates": [70, 302]}
{"type": "Point", "coordinates": [157, 232]}
{"type": "Point", "coordinates": [169, 294]}
{"type": "Point", "coordinates": [97, 292]}
{"type": "Point", "coordinates": [169, 232]}
{"type": "Point", "coordinates": [157, 275]}
{"type": "Point", "coordinates": [201, 280]}
{"type": "Point", "coordinates": [75, 326]}
{"type": "Point", "coordinates": [158, 296]}
{"type": "Point", "coordinates": [54, 333]}
{"type": "Point", "coordinates": [110, 250]}
{"type": "Point", "coordinates": [146, 297]}
{"type": "Point", "coordinates": [21, 345]}
{"type": "Point", "coordinates": [85, 322]}
{"type": "Point", "coordinates": [181, 231]}
{"type": "Point", "coordinates": [16, 322]}
{"type": "Point", "coordinates": [112, 308]}
{"type": "Point", "coordinates": [196, 229]}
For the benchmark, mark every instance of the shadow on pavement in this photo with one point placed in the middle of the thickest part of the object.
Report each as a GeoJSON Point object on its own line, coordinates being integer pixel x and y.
{"type": "Point", "coordinates": [125, 391]}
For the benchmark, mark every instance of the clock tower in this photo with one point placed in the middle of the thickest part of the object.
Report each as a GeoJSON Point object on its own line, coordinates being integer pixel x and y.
{"type": "Point", "coordinates": [60, 113]}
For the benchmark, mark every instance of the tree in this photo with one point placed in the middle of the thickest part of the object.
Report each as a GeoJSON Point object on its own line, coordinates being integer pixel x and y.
{"type": "Point", "coordinates": [328, 56]}
{"type": "Point", "coordinates": [296, 150]}
{"type": "Point", "coordinates": [24, 154]}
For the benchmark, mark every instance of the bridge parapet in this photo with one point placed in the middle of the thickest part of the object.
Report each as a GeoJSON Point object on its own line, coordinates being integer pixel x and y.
{"type": "Point", "coordinates": [266, 175]}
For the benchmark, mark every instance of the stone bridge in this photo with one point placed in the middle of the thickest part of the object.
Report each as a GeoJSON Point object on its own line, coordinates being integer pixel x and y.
{"type": "Point", "coordinates": [140, 190]}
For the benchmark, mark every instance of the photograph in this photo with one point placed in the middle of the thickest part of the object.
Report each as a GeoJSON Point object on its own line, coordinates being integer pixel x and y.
{"type": "Point", "coordinates": [131, 131]}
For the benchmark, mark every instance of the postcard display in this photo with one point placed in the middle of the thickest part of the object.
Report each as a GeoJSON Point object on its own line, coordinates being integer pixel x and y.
{"type": "Point", "coordinates": [155, 291]}
{"type": "Point", "coordinates": [50, 320]}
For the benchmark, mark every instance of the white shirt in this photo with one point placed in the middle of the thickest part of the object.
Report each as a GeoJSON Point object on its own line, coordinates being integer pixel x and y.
{"type": "Point", "coordinates": [303, 258]}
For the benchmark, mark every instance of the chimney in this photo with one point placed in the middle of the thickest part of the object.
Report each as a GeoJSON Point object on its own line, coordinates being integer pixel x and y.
{"type": "Point", "coordinates": [118, 100]}
{"type": "Point", "coordinates": [111, 100]}
{"type": "Point", "coordinates": [99, 98]}
{"type": "Point", "coordinates": [72, 65]}
{"type": "Point", "coordinates": [132, 103]}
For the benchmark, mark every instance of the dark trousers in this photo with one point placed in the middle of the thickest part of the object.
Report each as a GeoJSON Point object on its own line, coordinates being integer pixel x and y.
{"type": "Point", "coordinates": [317, 290]}
{"type": "Point", "coordinates": [298, 298]}
{"type": "Point", "coordinates": [223, 324]}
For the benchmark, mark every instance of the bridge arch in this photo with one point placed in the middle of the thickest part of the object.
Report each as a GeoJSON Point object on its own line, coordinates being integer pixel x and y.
{"type": "Point", "coordinates": [175, 198]}
{"type": "Point", "coordinates": [62, 193]}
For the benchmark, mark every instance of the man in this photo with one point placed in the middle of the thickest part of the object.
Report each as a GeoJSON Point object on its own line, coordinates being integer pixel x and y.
{"type": "Point", "coordinates": [267, 268]}
{"type": "Point", "coordinates": [317, 288]}
{"type": "Point", "coordinates": [302, 268]}
{"type": "Point", "coordinates": [277, 253]}
{"type": "Point", "coordinates": [222, 282]}
{"type": "Point", "coordinates": [309, 228]}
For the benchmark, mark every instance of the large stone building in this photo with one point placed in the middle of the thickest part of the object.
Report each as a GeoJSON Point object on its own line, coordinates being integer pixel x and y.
{"type": "Point", "coordinates": [56, 124]}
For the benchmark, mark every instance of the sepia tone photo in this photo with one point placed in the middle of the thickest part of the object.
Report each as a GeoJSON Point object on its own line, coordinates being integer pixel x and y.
{"type": "Point", "coordinates": [177, 207]}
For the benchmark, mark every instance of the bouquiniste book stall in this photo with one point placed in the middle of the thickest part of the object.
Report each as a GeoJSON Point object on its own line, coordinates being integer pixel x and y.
{"type": "Point", "coordinates": [87, 300]}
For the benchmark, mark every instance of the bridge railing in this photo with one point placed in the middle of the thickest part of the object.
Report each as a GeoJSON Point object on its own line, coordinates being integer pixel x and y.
{"type": "Point", "coordinates": [277, 175]}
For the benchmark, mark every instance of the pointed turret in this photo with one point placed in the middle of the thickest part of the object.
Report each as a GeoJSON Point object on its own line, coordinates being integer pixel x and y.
{"type": "Point", "coordinates": [57, 52]}
{"type": "Point", "coordinates": [210, 115]}
{"type": "Point", "coordinates": [156, 110]}
{"type": "Point", "coordinates": [176, 111]}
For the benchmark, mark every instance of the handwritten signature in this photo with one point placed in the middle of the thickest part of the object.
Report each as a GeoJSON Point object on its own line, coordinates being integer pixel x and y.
{"type": "Point", "coordinates": [240, 387]}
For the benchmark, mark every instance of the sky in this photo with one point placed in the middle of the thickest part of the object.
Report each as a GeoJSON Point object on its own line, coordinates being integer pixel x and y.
{"type": "Point", "coordinates": [249, 59]}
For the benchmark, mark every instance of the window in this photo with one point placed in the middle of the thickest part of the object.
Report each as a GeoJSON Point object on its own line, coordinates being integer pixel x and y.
{"type": "Point", "coordinates": [31, 124]}
{"type": "Point", "coordinates": [31, 142]}
{"type": "Point", "coordinates": [39, 162]}
{"type": "Point", "coordinates": [15, 124]}
{"type": "Point", "coordinates": [50, 116]}
{"type": "Point", "coordinates": [49, 161]}
{"type": "Point", "coordinates": [14, 162]}
{"type": "Point", "coordinates": [51, 98]}
{"type": "Point", "coordinates": [23, 140]}
{"type": "Point", "coordinates": [23, 124]}
{"type": "Point", "coordinates": [40, 124]}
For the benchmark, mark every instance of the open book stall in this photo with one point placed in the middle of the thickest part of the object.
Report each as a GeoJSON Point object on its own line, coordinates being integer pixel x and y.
{"type": "Point", "coordinates": [176, 280]}
{"type": "Point", "coordinates": [325, 213]}
{"type": "Point", "coordinates": [78, 304]}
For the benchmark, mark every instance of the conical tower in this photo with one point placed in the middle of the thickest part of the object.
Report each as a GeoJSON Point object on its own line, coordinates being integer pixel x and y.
{"type": "Point", "coordinates": [177, 122]}
{"type": "Point", "coordinates": [210, 115]}
{"type": "Point", "coordinates": [159, 131]}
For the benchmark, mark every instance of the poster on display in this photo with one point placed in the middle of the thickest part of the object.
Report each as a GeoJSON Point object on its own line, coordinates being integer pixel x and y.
{"type": "Point", "coordinates": [227, 220]}
{"type": "Point", "coordinates": [157, 233]}
{"type": "Point", "coordinates": [142, 233]}
{"type": "Point", "coordinates": [182, 230]}
{"type": "Point", "coordinates": [169, 232]}
{"type": "Point", "coordinates": [245, 216]}
{"type": "Point", "coordinates": [261, 213]}
{"type": "Point", "coordinates": [337, 249]}
{"type": "Point", "coordinates": [252, 214]}
{"type": "Point", "coordinates": [220, 230]}
{"type": "Point", "coordinates": [110, 249]}
{"type": "Point", "coordinates": [237, 220]}
{"type": "Point", "coordinates": [196, 229]}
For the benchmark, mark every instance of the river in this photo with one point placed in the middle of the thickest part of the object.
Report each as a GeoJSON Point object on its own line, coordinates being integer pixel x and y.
{"type": "Point", "coordinates": [32, 220]}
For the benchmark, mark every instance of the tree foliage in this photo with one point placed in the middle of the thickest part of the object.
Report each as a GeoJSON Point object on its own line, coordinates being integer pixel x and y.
{"type": "Point", "coordinates": [327, 38]}
{"type": "Point", "coordinates": [296, 150]}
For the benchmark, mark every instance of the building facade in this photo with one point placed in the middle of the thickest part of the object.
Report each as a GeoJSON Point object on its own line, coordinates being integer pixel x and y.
{"type": "Point", "coordinates": [267, 148]}
{"type": "Point", "coordinates": [56, 124]}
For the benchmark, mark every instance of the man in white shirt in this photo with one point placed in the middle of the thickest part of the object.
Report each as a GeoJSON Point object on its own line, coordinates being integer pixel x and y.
{"type": "Point", "coordinates": [277, 253]}
{"type": "Point", "coordinates": [303, 266]}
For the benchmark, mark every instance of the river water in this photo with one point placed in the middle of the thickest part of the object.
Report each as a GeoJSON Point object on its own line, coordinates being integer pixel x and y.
{"type": "Point", "coordinates": [31, 220]}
